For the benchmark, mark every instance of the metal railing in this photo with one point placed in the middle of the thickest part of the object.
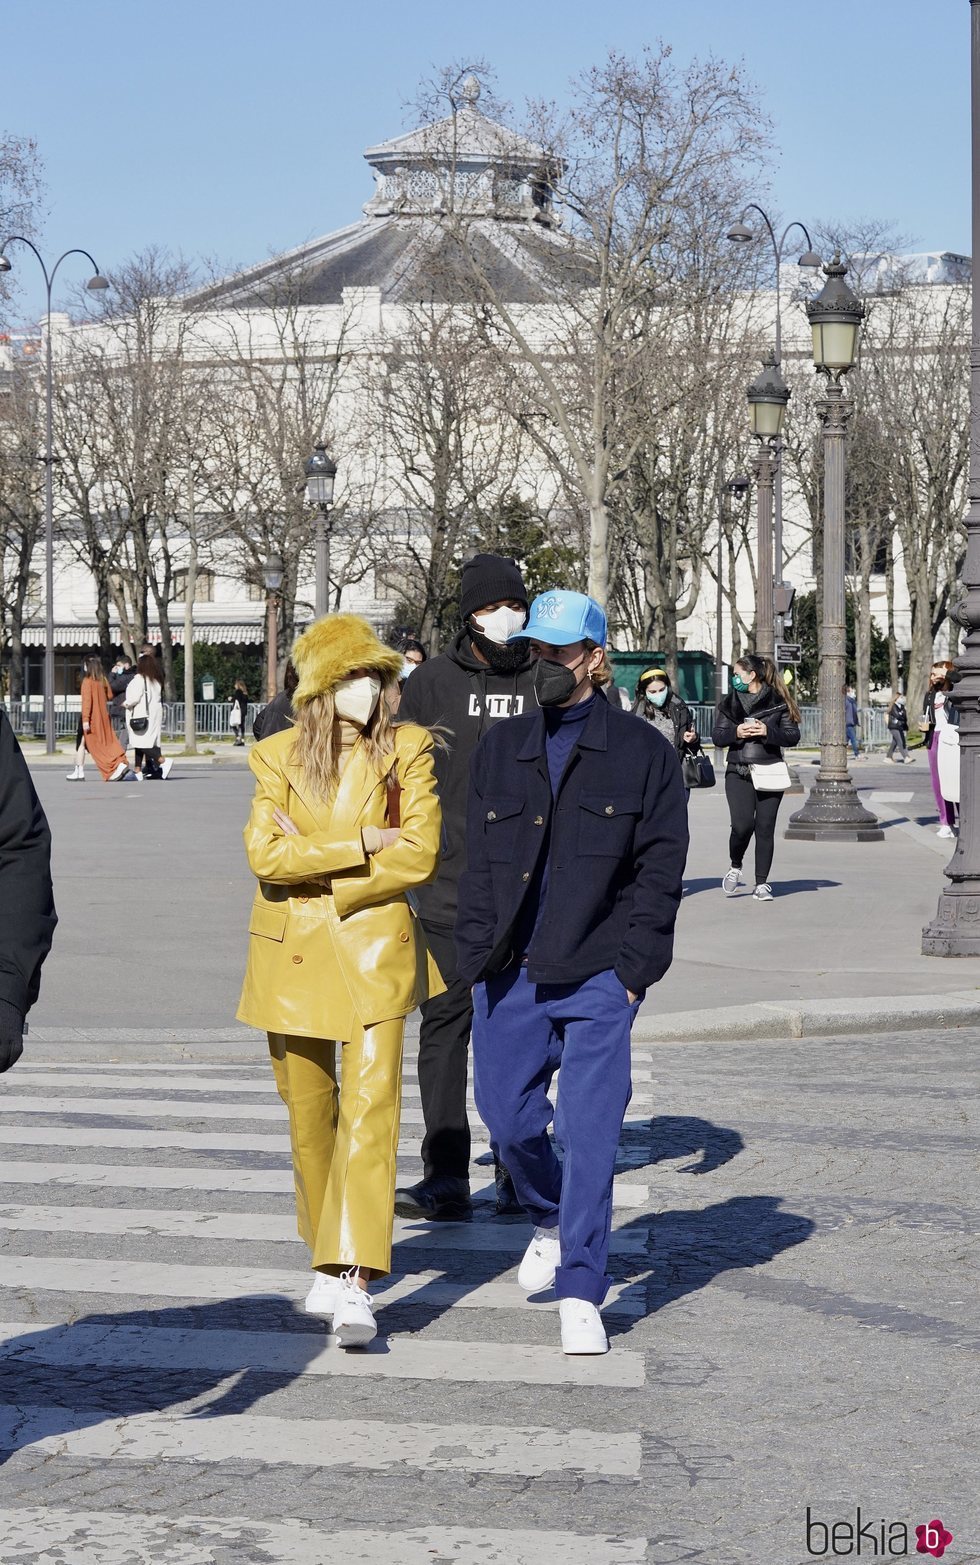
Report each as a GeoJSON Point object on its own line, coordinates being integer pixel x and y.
{"type": "Point", "coordinates": [27, 719]}
{"type": "Point", "coordinates": [872, 735]}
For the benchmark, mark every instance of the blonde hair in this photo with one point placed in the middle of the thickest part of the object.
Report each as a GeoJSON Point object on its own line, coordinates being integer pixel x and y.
{"type": "Point", "coordinates": [603, 675]}
{"type": "Point", "coordinates": [316, 747]}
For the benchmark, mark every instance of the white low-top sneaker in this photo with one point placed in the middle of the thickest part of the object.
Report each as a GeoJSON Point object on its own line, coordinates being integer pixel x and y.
{"type": "Point", "coordinates": [324, 1296]}
{"type": "Point", "coordinates": [582, 1330]}
{"type": "Point", "coordinates": [762, 892]}
{"type": "Point", "coordinates": [354, 1324]}
{"type": "Point", "coordinates": [167, 767]}
{"type": "Point", "coordinates": [732, 881]}
{"type": "Point", "coordinates": [541, 1259]}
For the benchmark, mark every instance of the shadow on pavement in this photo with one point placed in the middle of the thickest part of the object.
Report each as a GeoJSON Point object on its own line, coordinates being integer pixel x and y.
{"type": "Point", "coordinates": [49, 1385]}
{"type": "Point", "coordinates": [781, 888]}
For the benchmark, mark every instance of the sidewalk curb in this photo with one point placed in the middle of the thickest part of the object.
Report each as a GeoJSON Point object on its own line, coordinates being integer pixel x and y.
{"type": "Point", "coordinates": [816, 1019]}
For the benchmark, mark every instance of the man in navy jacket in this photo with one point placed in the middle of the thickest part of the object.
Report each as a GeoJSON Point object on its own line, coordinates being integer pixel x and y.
{"type": "Point", "coordinates": [576, 843]}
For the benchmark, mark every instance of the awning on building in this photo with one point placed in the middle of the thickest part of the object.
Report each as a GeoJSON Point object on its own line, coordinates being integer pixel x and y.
{"type": "Point", "coordinates": [84, 633]}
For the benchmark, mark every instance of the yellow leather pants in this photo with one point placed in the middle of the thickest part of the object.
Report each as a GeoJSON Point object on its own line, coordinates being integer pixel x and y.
{"type": "Point", "coordinates": [344, 1141]}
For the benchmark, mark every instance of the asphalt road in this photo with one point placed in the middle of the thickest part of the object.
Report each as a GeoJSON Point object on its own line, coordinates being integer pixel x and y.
{"type": "Point", "coordinates": [153, 894]}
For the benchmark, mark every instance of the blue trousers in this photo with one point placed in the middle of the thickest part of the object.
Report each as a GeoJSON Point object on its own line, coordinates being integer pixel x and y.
{"type": "Point", "coordinates": [522, 1032]}
{"type": "Point", "coordinates": [852, 737]}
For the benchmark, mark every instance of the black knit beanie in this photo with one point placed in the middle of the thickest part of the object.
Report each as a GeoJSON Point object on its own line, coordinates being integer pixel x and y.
{"type": "Point", "coordinates": [489, 578]}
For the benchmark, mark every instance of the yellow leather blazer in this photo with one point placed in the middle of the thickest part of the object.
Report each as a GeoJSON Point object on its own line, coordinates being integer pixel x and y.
{"type": "Point", "coordinates": [315, 949]}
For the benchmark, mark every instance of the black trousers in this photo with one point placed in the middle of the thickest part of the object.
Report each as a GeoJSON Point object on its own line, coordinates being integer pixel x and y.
{"type": "Point", "coordinates": [443, 1063]}
{"type": "Point", "coordinates": [751, 812]}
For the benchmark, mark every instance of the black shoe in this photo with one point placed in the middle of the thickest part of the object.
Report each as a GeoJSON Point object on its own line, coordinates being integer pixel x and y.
{"type": "Point", "coordinates": [441, 1199]}
{"type": "Point", "coordinates": [507, 1202]}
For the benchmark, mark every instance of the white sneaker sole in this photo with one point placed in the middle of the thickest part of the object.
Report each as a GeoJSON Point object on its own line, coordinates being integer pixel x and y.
{"type": "Point", "coordinates": [355, 1335]}
{"type": "Point", "coordinates": [581, 1351]}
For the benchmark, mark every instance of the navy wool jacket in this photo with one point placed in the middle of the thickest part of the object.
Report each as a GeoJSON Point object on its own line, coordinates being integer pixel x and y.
{"type": "Point", "coordinates": [616, 839]}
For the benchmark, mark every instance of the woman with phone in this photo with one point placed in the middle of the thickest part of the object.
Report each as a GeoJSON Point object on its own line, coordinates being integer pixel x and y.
{"type": "Point", "coordinates": [755, 720]}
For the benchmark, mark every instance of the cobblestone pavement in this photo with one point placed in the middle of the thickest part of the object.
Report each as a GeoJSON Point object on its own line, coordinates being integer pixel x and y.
{"type": "Point", "coordinates": [792, 1325]}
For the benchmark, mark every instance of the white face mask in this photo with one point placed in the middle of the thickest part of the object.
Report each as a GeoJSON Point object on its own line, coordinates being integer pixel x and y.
{"type": "Point", "coordinates": [500, 624]}
{"type": "Point", "coordinates": [356, 699]}
{"type": "Point", "coordinates": [408, 667]}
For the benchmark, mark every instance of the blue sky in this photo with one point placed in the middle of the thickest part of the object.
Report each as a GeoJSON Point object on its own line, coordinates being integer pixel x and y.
{"type": "Point", "coordinates": [233, 128]}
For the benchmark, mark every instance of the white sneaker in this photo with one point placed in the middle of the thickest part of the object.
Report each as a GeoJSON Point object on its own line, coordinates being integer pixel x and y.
{"type": "Point", "coordinates": [354, 1324]}
{"type": "Point", "coordinates": [168, 763]}
{"type": "Point", "coordinates": [138, 776]}
{"type": "Point", "coordinates": [582, 1330]}
{"type": "Point", "coordinates": [76, 775]}
{"type": "Point", "coordinates": [762, 893]}
{"type": "Point", "coordinates": [732, 881]}
{"type": "Point", "coordinates": [541, 1258]}
{"type": "Point", "coordinates": [324, 1296]}
{"type": "Point", "coordinates": [945, 831]}
{"type": "Point", "coordinates": [120, 772]}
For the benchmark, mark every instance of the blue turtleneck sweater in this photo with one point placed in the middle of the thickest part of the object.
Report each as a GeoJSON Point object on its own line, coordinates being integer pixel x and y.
{"type": "Point", "coordinates": [563, 729]}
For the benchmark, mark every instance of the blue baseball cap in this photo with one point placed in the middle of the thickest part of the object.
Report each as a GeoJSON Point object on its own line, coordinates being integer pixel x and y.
{"type": "Point", "coordinates": [561, 618]}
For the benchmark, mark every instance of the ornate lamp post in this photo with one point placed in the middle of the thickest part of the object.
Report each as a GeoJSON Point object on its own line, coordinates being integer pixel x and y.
{"type": "Point", "coordinates": [955, 930]}
{"type": "Point", "coordinates": [741, 233]}
{"type": "Point", "coordinates": [96, 283]}
{"type": "Point", "coordinates": [321, 475]}
{"type": "Point", "coordinates": [272, 576]}
{"type": "Point", "coordinates": [768, 395]}
{"type": "Point", "coordinates": [833, 810]}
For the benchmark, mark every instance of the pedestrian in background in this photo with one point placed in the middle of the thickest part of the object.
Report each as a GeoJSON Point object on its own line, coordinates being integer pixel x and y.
{"type": "Point", "coordinates": [100, 736]}
{"type": "Point", "coordinates": [658, 703]}
{"type": "Point", "coordinates": [239, 708]}
{"type": "Point", "coordinates": [898, 726]}
{"type": "Point", "coordinates": [120, 674]}
{"type": "Point", "coordinates": [413, 656]}
{"type": "Point", "coordinates": [344, 823]}
{"type": "Point", "coordinates": [77, 773]}
{"type": "Point", "coordinates": [852, 720]}
{"type": "Point", "coordinates": [144, 718]}
{"type": "Point", "coordinates": [938, 713]}
{"type": "Point", "coordinates": [576, 841]}
{"type": "Point", "coordinates": [755, 720]}
{"type": "Point", "coordinates": [277, 715]}
{"type": "Point", "coordinates": [483, 677]}
{"type": "Point", "coordinates": [27, 915]}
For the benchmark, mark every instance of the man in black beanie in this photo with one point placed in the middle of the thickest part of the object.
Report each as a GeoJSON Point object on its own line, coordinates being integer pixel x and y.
{"type": "Point", "coordinates": [475, 682]}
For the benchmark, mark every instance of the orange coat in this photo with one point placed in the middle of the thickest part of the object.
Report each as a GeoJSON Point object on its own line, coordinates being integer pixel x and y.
{"type": "Point", "coordinates": [100, 736]}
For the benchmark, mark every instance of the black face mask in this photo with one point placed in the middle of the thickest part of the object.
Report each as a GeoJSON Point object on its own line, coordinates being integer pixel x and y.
{"type": "Point", "coordinates": [553, 682]}
{"type": "Point", "coordinates": [503, 660]}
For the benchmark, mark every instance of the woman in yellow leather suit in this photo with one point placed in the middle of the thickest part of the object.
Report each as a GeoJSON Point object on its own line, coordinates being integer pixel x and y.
{"type": "Point", "coordinates": [344, 822]}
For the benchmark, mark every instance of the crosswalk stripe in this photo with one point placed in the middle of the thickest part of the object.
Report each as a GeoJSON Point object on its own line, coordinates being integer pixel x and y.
{"type": "Point", "coordinates": [172, 1280]}
{"type": "Point", "coordinates": [258, 1181]}
{"type": "Point", "coordinates": [159, 1348]}
{"type": "Point", "coordinates": [138, 1078]}
{"type": "Point", "coordinates": [167, 1108]}
{"type": "Point", "coordinates": [201, 1141]}
{"type": "Point", "coordinates": [367, 1444]}
{"type": "Point", "coordinates": [115, 1537]}
{"type": "Point", "coordinates": [269, 1228]}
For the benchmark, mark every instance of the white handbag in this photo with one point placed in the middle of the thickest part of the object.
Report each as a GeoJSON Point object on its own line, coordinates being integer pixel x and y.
{"type": "Point", "coordinates": [770, 776]}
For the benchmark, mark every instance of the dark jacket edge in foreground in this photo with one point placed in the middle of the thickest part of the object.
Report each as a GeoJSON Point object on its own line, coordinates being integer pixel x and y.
{"type": "Point", "coordinates": [27, 914]}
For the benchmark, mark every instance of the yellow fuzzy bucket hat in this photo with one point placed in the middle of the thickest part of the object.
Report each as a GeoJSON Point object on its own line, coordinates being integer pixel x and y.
{"type": "Point", "coordinates": [331, 649]}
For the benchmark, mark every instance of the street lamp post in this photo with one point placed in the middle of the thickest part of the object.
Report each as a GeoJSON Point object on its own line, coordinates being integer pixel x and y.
{"type": "Point", "coordinates": [272, 576]}
{"type": "Point", "coordinates": [833, 811]}
{"type": "Point", "coordinates": [741, 233]}
{"type": "Point", "coordinates": [321, 475]}
{"type": "Point", "coordinates": [768, 395]}
{"type": "Point", "coordinates": [955, 930]}
{"type": "Point", "coordinates": [96, 283]}
{"type": "Point", "coordinates": [727, 491]}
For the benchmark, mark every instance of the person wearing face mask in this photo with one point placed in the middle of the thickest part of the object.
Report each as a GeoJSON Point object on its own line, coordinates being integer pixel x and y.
{"type": "Point", "coordinates": [344, 824]}
{"type": "Point", "coordinates": [898, 727]}
{"type": "Point", "coordinates": [755, 720]}
{"type": "Point", "coordinates": [483, 677]}
{"type": "Point", "coordinates": [576, 843]}
{"type": "Point", "coordinates": [658, 703]}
